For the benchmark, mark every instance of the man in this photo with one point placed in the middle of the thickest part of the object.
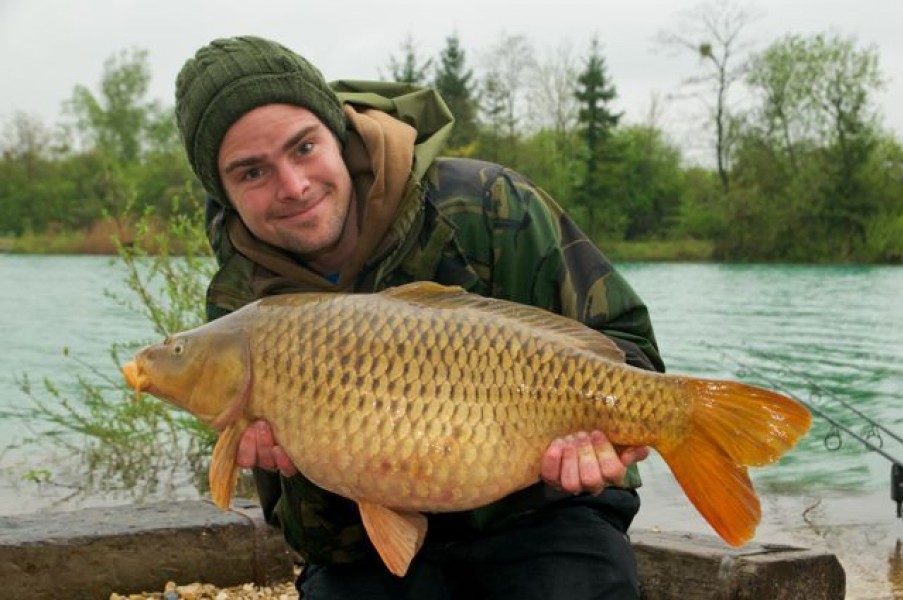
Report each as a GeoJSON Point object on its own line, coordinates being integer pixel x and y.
{"type": "Point", "coordinates": [317, 187]}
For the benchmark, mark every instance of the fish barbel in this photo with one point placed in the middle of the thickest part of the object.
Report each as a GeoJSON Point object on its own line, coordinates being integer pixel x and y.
{"type": "Point", "coordinates": [425, 398]}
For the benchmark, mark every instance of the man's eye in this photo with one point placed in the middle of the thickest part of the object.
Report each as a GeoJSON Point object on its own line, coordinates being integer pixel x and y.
{"type": "Point", "coordinates": [251, 174]}
{"type": "Point", "coordinates": [305, 147]}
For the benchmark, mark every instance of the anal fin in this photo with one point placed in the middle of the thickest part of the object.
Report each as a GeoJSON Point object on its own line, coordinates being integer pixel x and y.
{"type": "Point", "coordinates": [397, 536]}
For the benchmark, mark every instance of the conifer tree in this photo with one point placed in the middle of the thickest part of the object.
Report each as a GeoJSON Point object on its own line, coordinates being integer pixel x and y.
{"type": "Point", "coordinates": [453, 81]}
{"type": "Point", "coordinates": [596, 119]}
{"type": "Point", "coordinates": [409, 69]}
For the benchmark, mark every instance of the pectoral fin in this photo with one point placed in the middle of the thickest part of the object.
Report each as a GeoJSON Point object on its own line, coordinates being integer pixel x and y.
{"type": "Point", "coordinates": [223, 469]}
{"type": "Point", "coordinates": [396, 536]}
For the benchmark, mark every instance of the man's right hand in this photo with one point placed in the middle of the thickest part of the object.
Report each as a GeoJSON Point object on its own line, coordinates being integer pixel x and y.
{"type": "Point", "coordinates": [258, 448]}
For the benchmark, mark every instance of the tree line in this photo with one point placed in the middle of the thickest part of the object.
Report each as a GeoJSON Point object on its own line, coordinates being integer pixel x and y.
{"type": "Point", "coordinates": [801, 171]}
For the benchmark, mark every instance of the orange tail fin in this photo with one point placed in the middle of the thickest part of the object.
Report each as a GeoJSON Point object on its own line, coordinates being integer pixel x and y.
{"type": "Point", "coordinates": [733, 425]}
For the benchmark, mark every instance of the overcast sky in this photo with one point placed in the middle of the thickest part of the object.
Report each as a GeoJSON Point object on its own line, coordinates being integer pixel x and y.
{"type": "Point", "coordinates": [47, 47]}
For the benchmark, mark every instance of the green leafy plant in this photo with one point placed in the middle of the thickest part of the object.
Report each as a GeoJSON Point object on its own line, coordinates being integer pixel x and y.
{"type": "Point", "coordinates": [116, 441]}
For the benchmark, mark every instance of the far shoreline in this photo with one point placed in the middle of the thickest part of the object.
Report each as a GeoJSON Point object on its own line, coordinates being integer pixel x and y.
{"type": "Point", "coordinates": [99, 240]}
{"type": "Point", "coordinates": [103, 239]}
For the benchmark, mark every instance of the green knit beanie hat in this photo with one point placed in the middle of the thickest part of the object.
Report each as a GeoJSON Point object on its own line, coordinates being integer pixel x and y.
{"type": "Point", "coordinates": [231, 76]}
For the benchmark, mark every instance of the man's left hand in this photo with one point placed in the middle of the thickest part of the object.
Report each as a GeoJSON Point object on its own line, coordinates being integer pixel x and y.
{"type": "Point", "coordinates": [588, 462]}
{"type": "Point", "coordinates": [258, 448]}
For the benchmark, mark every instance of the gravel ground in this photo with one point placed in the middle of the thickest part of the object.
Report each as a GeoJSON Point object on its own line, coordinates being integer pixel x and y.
{"type": "Point", "coordinates": [205, 591]}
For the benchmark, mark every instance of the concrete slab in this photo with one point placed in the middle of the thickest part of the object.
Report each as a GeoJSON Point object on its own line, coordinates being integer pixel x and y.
{"type": "Point", "coordinates": [701, 567]}
{"type": "Point", "coordinates": [93, 552]}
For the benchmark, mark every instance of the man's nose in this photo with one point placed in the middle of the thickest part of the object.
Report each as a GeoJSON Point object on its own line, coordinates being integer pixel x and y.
{"type": "Point", "coordinates": [293, 182]}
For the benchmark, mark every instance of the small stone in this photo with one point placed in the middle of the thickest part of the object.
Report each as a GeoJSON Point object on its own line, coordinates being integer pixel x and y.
{"type": "Point", "coordinates": [192, 591]}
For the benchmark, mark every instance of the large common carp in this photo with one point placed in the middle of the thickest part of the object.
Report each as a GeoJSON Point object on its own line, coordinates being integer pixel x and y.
{"type": "Point", "coordinates": [425, 398]}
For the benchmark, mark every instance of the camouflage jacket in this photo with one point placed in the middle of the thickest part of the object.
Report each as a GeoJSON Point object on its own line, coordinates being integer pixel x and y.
{"type": "Point", "coordinates": [490, 230]}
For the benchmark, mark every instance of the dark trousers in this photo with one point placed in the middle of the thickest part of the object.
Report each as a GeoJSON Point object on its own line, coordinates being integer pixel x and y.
{"type": "Point", "coordinates": [575, 551]}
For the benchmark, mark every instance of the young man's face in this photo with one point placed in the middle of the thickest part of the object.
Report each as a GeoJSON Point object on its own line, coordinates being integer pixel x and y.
{"type": "Point", "coordinates": [283, 170]}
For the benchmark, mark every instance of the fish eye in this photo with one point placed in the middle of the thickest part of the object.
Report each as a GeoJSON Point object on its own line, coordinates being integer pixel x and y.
{"type": "Point", "coordinates": [178, 347]}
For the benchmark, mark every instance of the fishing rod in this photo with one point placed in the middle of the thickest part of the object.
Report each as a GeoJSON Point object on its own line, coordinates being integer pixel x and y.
{"type": "Point", "coordinates": [875, 427]}
{"type": "Point", "coordinates": [896, 470]}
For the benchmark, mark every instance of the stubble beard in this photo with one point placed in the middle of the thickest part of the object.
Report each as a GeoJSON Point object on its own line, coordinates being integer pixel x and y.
{"type": "Point", "coordinates": [312, 240]}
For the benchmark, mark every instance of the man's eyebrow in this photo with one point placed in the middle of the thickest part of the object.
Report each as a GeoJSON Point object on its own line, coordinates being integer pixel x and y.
{"type": "Point", "coordinates": [243, 162]}
{"type": "Point", "coordinates": [295, 139]}
{"type": "Point", "coordinates": [288, 145]}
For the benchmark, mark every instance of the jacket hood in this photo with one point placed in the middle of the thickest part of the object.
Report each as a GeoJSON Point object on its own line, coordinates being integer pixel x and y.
{"type": "Point", "coordinates": [420, 107]}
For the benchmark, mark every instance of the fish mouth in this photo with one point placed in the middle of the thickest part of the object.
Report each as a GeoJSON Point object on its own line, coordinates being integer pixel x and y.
{"type": "Point", "coordinates": [135, 379]}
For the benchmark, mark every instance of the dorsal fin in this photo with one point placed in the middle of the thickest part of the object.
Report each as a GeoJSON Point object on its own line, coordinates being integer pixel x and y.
{"type": "Point", "coordinates": [294, 300]}
{"type": "Point", "coordinates": [425, 290]}
{"type": "Point", "coordinates": [429, 294]}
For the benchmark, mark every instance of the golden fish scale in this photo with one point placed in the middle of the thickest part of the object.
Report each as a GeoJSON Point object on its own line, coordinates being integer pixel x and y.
{"type": "Point", "coordinates": [410, 408]}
